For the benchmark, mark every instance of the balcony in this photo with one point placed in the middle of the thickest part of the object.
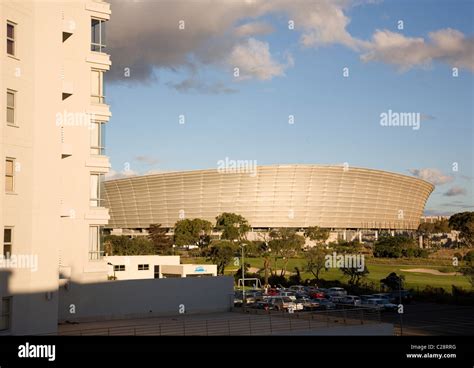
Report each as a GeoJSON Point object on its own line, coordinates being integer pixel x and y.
{"type": "Point", "coordinates": [69, 26]}
{"type": "Point", "coordinates": [67, 89]}
{"type": "Point", "coordinates": [99, 9]}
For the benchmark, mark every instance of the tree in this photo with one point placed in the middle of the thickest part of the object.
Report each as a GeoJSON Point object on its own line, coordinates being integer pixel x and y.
{"type": "Point", "coordinates": [396, 247]}
{"type": "Point", "coordinates": [232, 226]}
{"type": "Point", "coordinates": [192, 232]}
{"type": "Point", "coordinates": [124, 246]}
{"type": "Point", "coordinates": [354, 274]}
{"type": "Point", "coordinates": [317, 234]}
{"type": "Point", "coordinates": [284, 243]}
{"type": "Point", "coordinates": [221, 253]}
{"type": "Point", "coordinates": [393, 281]}
{"type": "Point", "coordinates": [464, 223]}
{"type": "Point", "coordinates": [439, 226]}
{"type": "Point", "coordinates": [468, 272]}
{"type": "Point", "coordinates": [159, 239]}
{"type": "Point", "coordinates": [315, 261]}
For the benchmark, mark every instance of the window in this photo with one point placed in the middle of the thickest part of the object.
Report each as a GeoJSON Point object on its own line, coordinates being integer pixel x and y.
{"type": "Point", "coordinates": [143, 267]}
{"type": "Point", "coordinates": [119, 268]}
{"type": "Point", "coordinates": [98, 138]}
{"type": "Point", "coordinates": [11, 107]}
{"type": "Point", "coordinates": [7, 242]}
{"type": "Point", "coordinates": [96, 244]}
{"type": "Point", "coordinates": [6, 313]}
{"type": "Point", "coordinates": [97, 35]}
{"type": "Point", "coordinates": [96, 186]}
{"type": "Point", "coordinates": [97, 86]}
{"type": "Point", "coordinates": [9, 175]}
{"type": "Point", "coordinates": [10, 38]}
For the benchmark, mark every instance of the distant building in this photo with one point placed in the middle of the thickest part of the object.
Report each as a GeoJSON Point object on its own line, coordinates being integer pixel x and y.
{"type": "Point", "coordinates": [154, 267]}
{"type": "Point", "coordinates": [344, 199]}
{"type": "Point", "coordinates": [433, 219]}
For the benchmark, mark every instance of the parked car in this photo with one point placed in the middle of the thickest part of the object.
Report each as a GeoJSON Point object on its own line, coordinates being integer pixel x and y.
{"type": "Point", "coordinates": [316, 293]}
{"type": "Point", "coordinates": [406, 296]}
{"type": "Point", "coordinates": [288, 294]}
{"type": "Point", "coordinates": [281, 303]}
{"type": "Point", "coordinates": [238, 301]}
{"type": "Point", "coordinates": [308, 303]}
{"type": "Point", "coordinates": [351, 300]}
{"type": "Point", "coordinates": [297, 288]}
{"type": "Point", "coordinates": [336, 291]}
{"type": "Point", "coordinates": [299, 306]}
{"type": "Point", "coordinates": [273, 292]}
{"type": "Point", "coordinates": [382, 296]}
{"type": "Point", "coordinates": [364, 298]}
{"type": "Point", "coordinates": [263, 304]}
{"type": "Point", "coordinates": [381, 304]}
{"type": "Point", "coordinates": [336, 298]}
{"type": "Point", "coordinates": [324, 303]}
{"type": "Point", "coordinates": [309, 289]}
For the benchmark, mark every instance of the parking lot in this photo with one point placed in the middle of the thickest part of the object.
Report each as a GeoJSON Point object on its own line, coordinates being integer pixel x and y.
{"type": "Point", "coordinates": [433, 319]}
{"type": "Point", "coordinates": [417, 318]}
{"type": "Point", "coordinates": [300, 298]}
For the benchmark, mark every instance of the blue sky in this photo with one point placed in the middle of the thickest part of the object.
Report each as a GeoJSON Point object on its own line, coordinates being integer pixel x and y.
{"type": "Point", "coordinates": [337, 119]}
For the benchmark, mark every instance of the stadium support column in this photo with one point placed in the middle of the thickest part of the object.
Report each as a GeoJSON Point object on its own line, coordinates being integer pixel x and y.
{"type": "Point", "coordinates": [344, 235]}
{"type": "Point", "coordinates": [376, 235]}
{"type": "Point", "coordinates": [420, 241]}
{"type": "Point", "coordinates": [360, 236]}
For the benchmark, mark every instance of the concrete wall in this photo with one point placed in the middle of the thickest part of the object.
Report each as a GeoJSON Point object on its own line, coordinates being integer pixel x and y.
{"type": "Point", "coordinates": [136, 298]}
{"type": "Point", "coordinates": [371, 329]}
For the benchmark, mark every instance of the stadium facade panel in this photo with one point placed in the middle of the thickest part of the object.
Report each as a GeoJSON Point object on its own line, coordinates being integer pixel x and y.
{"type": "Point", "coordinates": [296, 196]}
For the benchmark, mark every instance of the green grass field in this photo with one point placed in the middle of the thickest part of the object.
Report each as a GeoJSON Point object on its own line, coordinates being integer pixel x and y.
{"type": "Point", "coordinates": [378, 269]}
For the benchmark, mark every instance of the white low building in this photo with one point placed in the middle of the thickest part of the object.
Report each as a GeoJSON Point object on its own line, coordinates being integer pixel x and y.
{"type": "Point", "coordinates": [157, 267]}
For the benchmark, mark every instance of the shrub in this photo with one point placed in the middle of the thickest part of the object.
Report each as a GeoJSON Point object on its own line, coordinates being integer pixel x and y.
{"type": "Point", "coordinates": [469, 256]}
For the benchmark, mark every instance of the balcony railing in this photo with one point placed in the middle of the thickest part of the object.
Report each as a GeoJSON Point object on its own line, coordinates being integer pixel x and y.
{"type": "Point", "coordinates": [96, 255]}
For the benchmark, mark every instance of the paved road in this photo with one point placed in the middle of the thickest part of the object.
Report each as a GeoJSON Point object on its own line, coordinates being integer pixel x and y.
{"type": "Point", "coordinates": [433, 319]}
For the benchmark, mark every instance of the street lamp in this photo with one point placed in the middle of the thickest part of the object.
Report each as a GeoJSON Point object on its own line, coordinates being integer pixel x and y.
{"type": "Point", "coordinates": [113, 267]}
{"type": "Point", "coordinates": [243, 273]}
{"type": "Point", "coordinates": [400, 301]}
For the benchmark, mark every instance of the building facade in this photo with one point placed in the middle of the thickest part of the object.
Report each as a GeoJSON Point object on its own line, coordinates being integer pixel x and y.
{"type": "Point", "coordinates": [154, 267]}
{"type": "Point", "coordinates": [296, 196]}
{"type": "Point", "coordinates": [53, 115]}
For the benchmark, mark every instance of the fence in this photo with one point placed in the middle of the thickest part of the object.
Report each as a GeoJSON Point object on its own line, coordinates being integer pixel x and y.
{"type": "Point", "coordinates": [243, 321]}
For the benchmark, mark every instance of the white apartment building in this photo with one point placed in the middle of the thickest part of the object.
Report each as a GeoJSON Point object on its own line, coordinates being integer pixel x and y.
{"type": "Point", "coordinates": [53, 114]}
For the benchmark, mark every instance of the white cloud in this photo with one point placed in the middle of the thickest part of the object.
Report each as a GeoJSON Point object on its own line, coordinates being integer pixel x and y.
{"type": "Point", "coordinates": [446, 45]}
{"type": "Point", "coordinates": [113, 174]}
{"type": "Point", "coordinates": [455, 191]}
{"type": "Point", "coordinates": [253, 29]}
{"type": "Point", "coordinates": [224, 31]}
{"type": "Point", "coordinates": [434, 176]}
{"type": "Point", "coordinates": [147, 160]}
{"type": "Point", "coordinates": [254, 60]}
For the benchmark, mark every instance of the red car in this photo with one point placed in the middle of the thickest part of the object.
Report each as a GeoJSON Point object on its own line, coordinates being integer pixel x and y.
{"type": "Point", "coordinates": [317, 294]}
{"type": "Point", "coordinates": [273, 292]}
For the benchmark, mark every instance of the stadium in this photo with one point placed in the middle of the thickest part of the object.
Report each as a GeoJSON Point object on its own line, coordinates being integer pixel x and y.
{"type": "Point", "coordinates": [293, 196]}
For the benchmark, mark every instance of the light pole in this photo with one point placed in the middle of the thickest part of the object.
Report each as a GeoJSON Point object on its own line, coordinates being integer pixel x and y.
{"type": "Point", "coordinates": [400, 300]}
{"type": "Point", "coordinates": [243, 273]}
{"type": "Point", "coordinates": [113, 267]}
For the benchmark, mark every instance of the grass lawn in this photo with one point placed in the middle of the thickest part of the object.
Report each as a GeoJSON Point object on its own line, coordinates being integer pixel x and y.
{"type": "Point", "coordinates": [378, 269]}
